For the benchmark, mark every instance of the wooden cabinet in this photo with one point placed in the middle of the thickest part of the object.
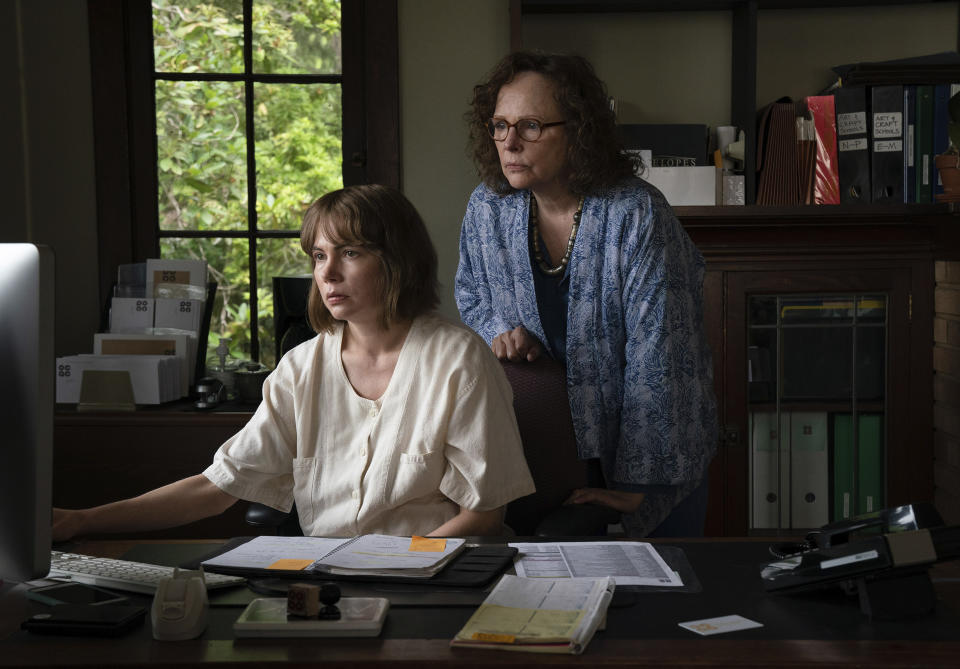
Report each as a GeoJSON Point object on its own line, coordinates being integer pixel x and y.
{"type": "Point", "coordinates": [103, 457]}
{"type": "Point", "coordinates": [831, 251]}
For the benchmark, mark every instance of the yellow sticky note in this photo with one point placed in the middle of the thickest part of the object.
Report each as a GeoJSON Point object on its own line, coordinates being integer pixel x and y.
{"type": "Point", "coordinates": [291, 564]}
{"type": "Point", "coordinates": [494, 638]}
{"type": "Point", "coordinates": [427, 544]}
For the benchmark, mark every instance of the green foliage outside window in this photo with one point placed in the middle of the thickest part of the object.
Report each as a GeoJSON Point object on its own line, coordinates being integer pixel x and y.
{"type": "Point", "coordinates": [202, 143]}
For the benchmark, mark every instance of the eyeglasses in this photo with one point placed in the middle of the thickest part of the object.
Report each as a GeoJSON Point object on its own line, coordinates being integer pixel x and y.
{"type": "Point", "coordinates": [529, 129]}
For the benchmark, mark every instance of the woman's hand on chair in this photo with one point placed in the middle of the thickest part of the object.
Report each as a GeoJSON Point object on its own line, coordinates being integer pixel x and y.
{"type": "Point", "coordinates": [621, 500]}
{"type": "Point", "coordinates": [517, 344]}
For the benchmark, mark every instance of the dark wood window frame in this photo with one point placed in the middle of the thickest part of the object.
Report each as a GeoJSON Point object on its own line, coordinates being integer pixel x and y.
{"type": "Point", "coordinates": [125, 143]}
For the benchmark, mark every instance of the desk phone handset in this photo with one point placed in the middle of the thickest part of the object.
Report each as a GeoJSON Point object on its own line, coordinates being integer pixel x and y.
{"type": "Point", "coordinates": [886, 521]}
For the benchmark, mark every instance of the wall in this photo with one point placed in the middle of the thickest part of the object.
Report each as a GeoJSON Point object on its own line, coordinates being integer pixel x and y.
{"type": "Point", "coordinates": [946, 390]}
{"type": "Point", "coordinates": [443, 53]}
{"type": "Point", "coordinates": [46, 144]}
{"type": "Point", "coordinates": [675, 67]}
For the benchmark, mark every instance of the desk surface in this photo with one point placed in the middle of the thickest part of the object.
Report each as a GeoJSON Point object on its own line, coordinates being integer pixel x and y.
{"type": "Point", "coordinates": [824, 628]}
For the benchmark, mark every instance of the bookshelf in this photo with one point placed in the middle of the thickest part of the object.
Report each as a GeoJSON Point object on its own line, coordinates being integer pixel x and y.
{"type": "Point", "coordinates": [742, 60]}
{"type": "Point", "coordinates": [718, 62]}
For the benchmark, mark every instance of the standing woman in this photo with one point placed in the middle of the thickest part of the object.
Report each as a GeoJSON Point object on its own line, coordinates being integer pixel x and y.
{"type": "Point", "coordinates": [565, 252]}
{"type": "Point", "coordinates": [391, 420]}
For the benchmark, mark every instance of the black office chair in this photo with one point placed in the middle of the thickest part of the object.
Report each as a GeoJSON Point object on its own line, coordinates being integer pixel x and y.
{"type": "Point", "coordinates": [549, 444]}
{"type": "Point", "coordinates": [272, 521]}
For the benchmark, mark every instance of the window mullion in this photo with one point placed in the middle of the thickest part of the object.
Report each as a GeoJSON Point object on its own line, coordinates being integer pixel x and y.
{"type": "Point", "coordinates": [251, 176]}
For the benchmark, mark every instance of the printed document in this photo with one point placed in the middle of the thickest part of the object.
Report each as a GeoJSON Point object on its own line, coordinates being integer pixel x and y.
{"type": "Point", "coordinates": [628, 562]}
{"type": "Point", "coordinates": [538, 615]}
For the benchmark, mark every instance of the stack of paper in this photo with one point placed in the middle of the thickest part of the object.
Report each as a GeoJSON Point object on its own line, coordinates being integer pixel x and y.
{"type": "Point", "coordinates": [157, 311]}
{"type": "Point", "coordinates": [182, 346]}
{"type": "Point", "coordinates": [365, 555]}
{"type": "Point", "coordinates": [539, 615]}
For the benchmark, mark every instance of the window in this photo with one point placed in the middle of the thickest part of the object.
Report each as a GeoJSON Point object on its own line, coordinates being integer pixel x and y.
{"type": "Point", "coordinates": [248, 126]}
{"type": "Point", "coordinates": [218, 122]}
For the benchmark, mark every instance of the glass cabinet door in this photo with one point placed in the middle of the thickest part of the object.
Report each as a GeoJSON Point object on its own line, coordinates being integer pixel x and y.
{"type": "Point", "coordinates": [816, 377]}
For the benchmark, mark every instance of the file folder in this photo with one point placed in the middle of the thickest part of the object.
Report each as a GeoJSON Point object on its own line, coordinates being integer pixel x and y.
{"type": "Point", "coordinates": [868, 465]}
{"type": "Point", "coordinates": [923, 145]}
{"type": "Point", "coordinates": [853, 145]}
{"type": "Point", "coordinates": [826, 185]}
{"type": "Point", "coordinates": [886, 143]}
{"type": "Point", "coordinates": [909, 138]}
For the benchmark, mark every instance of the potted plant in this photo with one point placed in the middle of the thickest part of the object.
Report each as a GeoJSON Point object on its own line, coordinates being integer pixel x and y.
{"type": "Point", "coordinates": [948, 164]}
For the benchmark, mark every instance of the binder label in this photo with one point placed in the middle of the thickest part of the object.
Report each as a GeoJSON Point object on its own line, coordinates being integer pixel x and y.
{"type": "Point", "coordinates": [888, 146]}
{"type": "Point", "coordinates": [854, 123]}
{"type": "Point", "coordinates": [888, 124]}
{"type": "Point", "coordinates": [858, 144]}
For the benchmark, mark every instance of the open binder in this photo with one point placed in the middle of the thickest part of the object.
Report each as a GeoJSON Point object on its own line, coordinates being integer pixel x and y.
{"type": "Point", "coordinates": [460, 565]}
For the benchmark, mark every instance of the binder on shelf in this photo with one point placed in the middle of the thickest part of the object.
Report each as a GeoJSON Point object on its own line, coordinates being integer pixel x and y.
{"type": "Point", "coordinates": [909, 137]}
{"type": "Point", "coordinates": [853, 145]}
{"type": "Point", "coordinates": [886, 143]}
{"type": "Point", "coordinates": [868, 465]}
{"type": "Point", "coordinates": [826, 187]}
{"type": "Point", "coordinates": [809, 494]}
{"type": "Point", "coordinates": [923, 145]}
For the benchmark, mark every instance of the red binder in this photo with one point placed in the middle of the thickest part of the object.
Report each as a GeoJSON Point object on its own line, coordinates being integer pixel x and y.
{"type": "Point", "coordinates": [826, 188]}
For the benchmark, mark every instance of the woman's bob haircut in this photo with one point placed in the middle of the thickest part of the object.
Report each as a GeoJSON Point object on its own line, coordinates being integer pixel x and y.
{"type": "Point", "coordinates": [383, 221]}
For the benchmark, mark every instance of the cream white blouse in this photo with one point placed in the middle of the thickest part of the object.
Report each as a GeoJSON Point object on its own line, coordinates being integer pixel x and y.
{"type": "Point", "coordinates": [442, 436]}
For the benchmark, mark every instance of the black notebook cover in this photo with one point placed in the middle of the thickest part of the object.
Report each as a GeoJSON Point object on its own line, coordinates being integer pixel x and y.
{"type": "Point", "coordinates": [475, 566]}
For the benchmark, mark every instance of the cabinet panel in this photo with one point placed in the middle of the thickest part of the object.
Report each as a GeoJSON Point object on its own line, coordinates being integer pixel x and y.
{"type": "Point", "coordinates": [100, 458]}
{"type": "Point", "coordinates": [805, 469]}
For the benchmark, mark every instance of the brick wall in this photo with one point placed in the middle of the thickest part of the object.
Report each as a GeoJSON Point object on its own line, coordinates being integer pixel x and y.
{"type": "Point", "coordinates": [946, 390]}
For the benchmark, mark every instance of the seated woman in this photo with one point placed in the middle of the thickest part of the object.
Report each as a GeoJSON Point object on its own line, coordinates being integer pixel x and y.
{"type": "Point", "coordinates": [392, 420]}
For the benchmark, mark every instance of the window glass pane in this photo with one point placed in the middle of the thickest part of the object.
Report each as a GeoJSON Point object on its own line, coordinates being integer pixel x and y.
{"type": "Point", "coordinates": [816, 309]}
{"type": "Point", "coordinates": [296, 36]}
{"type": "Point", "coordinates": [198, 36]}
{"type": "Point", "coordinates": [201, 151]}
{"type": "Point", "coordinates": [298, 146]}
{"type": "Point", "coordinates": [275, 257]}
{"type": "Point", "coordinates": [872, 308]}
{"type": "Point", "coordinates": [227, 264]}
{"type": "Point", "coordinates": [763, 310]}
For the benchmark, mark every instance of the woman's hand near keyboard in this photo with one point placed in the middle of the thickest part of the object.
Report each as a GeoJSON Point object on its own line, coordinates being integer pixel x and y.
{"type": "Point", "coordinates": [179, 503]}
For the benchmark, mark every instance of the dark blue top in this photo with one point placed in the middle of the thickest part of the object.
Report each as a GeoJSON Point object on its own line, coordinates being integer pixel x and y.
{"type": "Point", "coordinates": [553, 293]}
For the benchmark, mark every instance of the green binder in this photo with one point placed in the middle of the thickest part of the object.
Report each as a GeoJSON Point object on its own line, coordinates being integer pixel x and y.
{"type": "Point", "coordinates": [923, 145]}
{"type": "Point", "coordinates": [869, 468]}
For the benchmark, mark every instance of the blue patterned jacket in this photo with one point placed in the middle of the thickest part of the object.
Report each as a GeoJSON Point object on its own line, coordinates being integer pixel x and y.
{"type": "Point", "coordinates": [639, 372]}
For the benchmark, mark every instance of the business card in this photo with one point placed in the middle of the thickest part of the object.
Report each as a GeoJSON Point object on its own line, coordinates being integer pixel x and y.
{"type": "Point", "coordinates": [721, 625]}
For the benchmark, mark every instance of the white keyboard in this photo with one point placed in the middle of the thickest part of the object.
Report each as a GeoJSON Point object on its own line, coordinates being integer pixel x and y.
{"type": "Point", "coordinates": [122, 574]}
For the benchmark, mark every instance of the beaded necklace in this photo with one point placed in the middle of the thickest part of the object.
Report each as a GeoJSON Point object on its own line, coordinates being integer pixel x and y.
{"type": "Point", "coordinates": [535, 239]}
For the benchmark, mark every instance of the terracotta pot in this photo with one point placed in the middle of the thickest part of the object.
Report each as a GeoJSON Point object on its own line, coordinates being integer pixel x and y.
{"type": "Point", "coordinates": [949, 167]}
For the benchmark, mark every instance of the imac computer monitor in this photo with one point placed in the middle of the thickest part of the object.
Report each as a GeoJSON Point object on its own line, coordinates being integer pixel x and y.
{"type": "Point", "coordinates": [27, 395]}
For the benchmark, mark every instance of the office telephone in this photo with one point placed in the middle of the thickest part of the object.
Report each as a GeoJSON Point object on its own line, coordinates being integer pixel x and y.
{"type": "Point", "coordinates": [883, 556]}
{"type": "Point", "coordinates": [885, 521]}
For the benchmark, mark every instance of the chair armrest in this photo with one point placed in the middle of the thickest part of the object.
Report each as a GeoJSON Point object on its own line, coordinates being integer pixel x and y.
{"type": "Point", "coordinates": [577, 520]}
